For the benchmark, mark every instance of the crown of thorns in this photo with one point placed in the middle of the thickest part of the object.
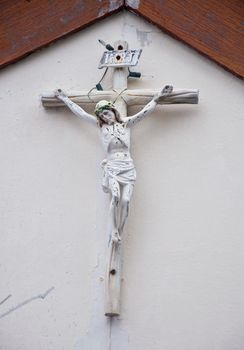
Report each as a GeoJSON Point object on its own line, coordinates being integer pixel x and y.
{"type": "Point", "coordinates": [104, 105]}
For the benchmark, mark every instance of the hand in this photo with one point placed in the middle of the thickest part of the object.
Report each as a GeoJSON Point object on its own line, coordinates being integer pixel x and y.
{"type": "Point", "coordinates": [59, 94]}
{"type": "Point", "coordinates": [166, 91]}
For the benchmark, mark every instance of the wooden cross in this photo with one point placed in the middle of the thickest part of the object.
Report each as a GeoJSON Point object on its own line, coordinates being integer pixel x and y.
{"type": "Point", "coordinates": [123, 98]}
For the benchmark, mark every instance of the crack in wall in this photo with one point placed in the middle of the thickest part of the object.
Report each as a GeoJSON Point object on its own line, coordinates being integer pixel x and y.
{"type": "Point", "coordinates": [27, 301]}
{"type": "Point", "coordinates": [5, 299]}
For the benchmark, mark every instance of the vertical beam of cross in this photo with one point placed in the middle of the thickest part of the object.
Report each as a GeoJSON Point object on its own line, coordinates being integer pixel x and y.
{"type": "Point", "coordinates": [113, 273]}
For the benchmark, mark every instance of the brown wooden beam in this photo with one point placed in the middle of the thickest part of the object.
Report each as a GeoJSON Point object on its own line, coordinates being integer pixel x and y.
{"type": "Point", "coordinates": [212, 27]}
{"type": "Point", "coordinates": [28, 25]}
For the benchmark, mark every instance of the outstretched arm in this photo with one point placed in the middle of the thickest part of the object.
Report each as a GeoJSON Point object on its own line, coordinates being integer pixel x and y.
{"type": "Point", "coordinates": [77, 110]}
{"type": "Point", "coordinates": [149, 108]}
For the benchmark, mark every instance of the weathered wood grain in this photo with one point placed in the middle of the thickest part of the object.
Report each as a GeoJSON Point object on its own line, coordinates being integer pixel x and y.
{"type": "Point", "coordinates": [28, 25]}
{"type": "Point", "coordinates": [212, 27]}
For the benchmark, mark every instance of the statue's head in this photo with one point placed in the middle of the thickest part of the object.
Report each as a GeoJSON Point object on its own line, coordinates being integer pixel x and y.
{"type": "Point", "coordinates": [106, 113]}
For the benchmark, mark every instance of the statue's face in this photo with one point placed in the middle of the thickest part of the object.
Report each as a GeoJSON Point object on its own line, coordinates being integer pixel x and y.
{"type": "Point", "coordinates": [107, 116]}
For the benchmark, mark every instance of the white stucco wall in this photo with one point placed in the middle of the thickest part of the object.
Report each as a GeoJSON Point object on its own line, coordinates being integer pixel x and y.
{"type": "Point", "coordinates": [183, 248]}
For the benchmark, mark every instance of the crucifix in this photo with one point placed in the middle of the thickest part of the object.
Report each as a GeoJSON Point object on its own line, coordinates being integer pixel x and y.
{"type": "Point", "coordinates": [119, 173]}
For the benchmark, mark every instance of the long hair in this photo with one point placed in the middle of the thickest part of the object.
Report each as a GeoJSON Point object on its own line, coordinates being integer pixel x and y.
{"type": "Point", "coordinates": [100, 121]}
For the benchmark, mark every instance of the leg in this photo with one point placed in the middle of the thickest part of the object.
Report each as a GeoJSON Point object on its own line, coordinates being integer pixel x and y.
{"type": "Point", "coordinates": [114, 210]}
{"type": "Point", "coordinates": [126, 194]}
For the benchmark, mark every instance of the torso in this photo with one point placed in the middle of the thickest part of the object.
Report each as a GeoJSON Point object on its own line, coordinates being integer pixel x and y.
{"type": "Point", "coordinates": [116, 139]}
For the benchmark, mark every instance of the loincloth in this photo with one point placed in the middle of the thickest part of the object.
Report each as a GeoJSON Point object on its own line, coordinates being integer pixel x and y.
{"type": "Point", "coordinates": [116, 172]}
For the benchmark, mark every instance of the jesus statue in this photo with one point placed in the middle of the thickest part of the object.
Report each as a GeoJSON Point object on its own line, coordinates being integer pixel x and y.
{"type": "Point", "coordinates": [119, 174]}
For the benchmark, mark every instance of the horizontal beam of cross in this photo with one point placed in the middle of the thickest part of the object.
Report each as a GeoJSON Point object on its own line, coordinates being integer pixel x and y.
{"type": "Point", "coordinates": [131, 97]}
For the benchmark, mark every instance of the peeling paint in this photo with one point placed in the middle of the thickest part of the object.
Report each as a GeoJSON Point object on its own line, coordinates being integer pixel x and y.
{"type": "Point", "coordinates": [143, 37]}
{"type": "Point", "coordinates": [133, 4]}
{"type": "Point", "coordinates": [113, 5]}
{"type": "Point", "coordinates": [102, 11]}
{"type": "Point", "coordinates": [79, 7]}
{"type": "Point", "coordinates": [17, 43]}
{"type": "Point", "coordinates": [18, 306]}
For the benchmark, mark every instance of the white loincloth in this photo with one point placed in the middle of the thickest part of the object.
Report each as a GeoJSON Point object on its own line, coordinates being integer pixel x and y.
{"type": "Point", "coordinates": [116, 172]}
